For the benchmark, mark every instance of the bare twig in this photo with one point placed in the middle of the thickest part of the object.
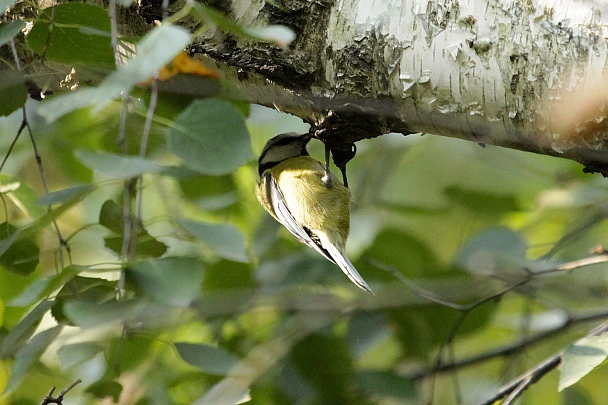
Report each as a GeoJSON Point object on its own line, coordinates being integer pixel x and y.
{"type": "Point", "coordinates": [25, 125]}
{"type": "Point", "coordinates": [508, 349]}
{"type": "Point", "coordinates": [517, 386]}
{"type": "Point", "coordinates": [144, 146]}
{"type": "Point", "coordinates": [575, 264]}
{"type": "Point", "coordinates": [59, 400]}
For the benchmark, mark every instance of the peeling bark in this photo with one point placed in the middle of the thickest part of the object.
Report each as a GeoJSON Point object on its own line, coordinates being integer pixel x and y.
{"type": "Point", "coordinates": [522, 74]}
{"type": "Point", "coordinates": [500, 72]}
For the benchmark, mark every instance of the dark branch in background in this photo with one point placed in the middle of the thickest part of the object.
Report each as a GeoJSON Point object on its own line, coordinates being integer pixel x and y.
{"type": "Point", "coordinates": [517, 386]}
{"type": "Point", "coordinates": [26, 125]}
{"type": "Point", "coordinates": [59, 400]}
{"type": "Point", "coordinates": [508, 350]}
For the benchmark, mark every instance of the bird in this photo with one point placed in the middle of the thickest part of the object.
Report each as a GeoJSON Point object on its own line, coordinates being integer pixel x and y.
{"type": "Point", "coordinates": [307, 198]}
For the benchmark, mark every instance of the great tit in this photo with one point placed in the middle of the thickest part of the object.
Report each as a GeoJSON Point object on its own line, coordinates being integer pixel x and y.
{"type": "Point", "coordinates": [308, 199]}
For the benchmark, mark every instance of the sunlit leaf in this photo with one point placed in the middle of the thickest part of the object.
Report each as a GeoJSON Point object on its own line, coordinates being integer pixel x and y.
{"type": "Point", "coordinates": [581, 358]}
{"type": "Point", "coordinates": [67, 194]}
{"type": "Point", "coordinates": [224, 239]}
{"type": "Point", "coordinates": [30, 230]}
{"type": "Point", "coordinates": [71, 39]}
{"type": "Point", "coordinates": [210, 359]}
{"type": "Point", "coordinates": [22, 255]}
{"type": "Point", "coordinates": [104, 388]}
{"type": "Point", "coordinates": [172, 280]}
{"type": "Point", "coordinates": [155, 50]}
{"type": "Point", "coordinates": [279, 35]}
{"type": "Point", "coordinates": [42, 287]}
{"type": "Point", "coordinates": [210, 136]}
{"type": "Point", "coordinates": [73, 354]}
{"type": "Point", "coordinates": [117, 166]}
{"type": "Point", "coordinates": [20, 334]}
{"type": "Point", "coordinates": [27, 356]}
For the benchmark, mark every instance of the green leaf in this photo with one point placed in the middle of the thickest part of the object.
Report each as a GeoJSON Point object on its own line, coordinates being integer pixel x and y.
{"type": "Point", "coordinates": [482, 203]}
{"type": "Point", "coordinates": [224, 239]}
{"type": "Point", "coordinates": [384, 383]}
{"type": "Point", "coordinates": [117, 166]}
{"type": "Point", "coordinates": [43, 287]}
{"type": "Point", "coordinates": [111, 217]}
{"type": "Point", "coordinates": [403, 252]}
{"type": "Point", "coordinates": [84, 290]}
{"type": "Point", "coordinates": [224, 274]}
{"type": "Point", "coordinates": [13, 90]}
{"type": "Point", "coordinates": [102, 389]}
{"type": "Point", "coordinates": [210, 136]}
{"type": "Point", "coordinates": [29, 354]}
{"type": "Point", "coordinates": [331, 362]}
{"type": "Point", "coordinates": [32, 228]}
{"type": "Point", "coordinates": [17, 337]}
{"type": "Point", "coordinates": [9, 30]}
{"type": "Point", "coordinates": [210, 359]}
{"type": "Point", "coordinates": [74, 354]}
{"type": "Point", "coordinates": [67, 194]}
{"type": "Point", "coordinates": [75, 36]}
{"type": "Point", "coordinates": [581, 358]}
{"type": "Point", "coordinates": [496, 251]}
{"type": "Point", "coordinates": [172, 280]}
{"type": "Point", "coordinates": [5, 4]}
{"type": "Point", "coordinates": [22, 256]}
{"type": "Point", "coordinates": [154, 51]}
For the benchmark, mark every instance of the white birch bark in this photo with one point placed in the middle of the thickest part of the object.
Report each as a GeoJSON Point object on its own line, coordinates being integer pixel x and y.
{"type": "Point", "coordinates": [524, 74]}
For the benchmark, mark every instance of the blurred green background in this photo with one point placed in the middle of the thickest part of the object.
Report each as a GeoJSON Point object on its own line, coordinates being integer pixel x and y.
{"type": "Point", "coordinates": [224, 302]}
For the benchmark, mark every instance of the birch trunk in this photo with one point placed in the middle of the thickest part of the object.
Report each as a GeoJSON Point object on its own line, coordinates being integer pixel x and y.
{"type": "Point", "coordinates": [523, 74]}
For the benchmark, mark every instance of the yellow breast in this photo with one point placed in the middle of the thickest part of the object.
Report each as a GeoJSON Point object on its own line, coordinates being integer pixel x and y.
{"type": "Point", "coordinates": [314, 204]}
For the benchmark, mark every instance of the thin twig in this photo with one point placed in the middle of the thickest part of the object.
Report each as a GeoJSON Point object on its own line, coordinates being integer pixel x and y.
{"type": "Point", "coordinates": [517, 386]}
{"type": "Point", "coordinates": [25, 125]}
{"type": "Point", "coordinates": [114, 32]}
{"type": "Point", "coordinates": [508, 349]}
{"type": "Point", "coordinates": [144, 146]}
{"type": "Point", "coordinates": [59, 400]}
{"type": "Point", "coordinates": [575, 264]}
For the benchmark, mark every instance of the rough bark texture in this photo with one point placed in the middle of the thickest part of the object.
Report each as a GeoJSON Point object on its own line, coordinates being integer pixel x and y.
{"type": "Point", "coordinates": [523, 74]}
{"type": "Point", "coordinates": [508, 73]}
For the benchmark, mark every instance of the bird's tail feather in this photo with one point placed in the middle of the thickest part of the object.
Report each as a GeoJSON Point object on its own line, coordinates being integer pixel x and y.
{"type": "Point", "coordinates": [347, 267]}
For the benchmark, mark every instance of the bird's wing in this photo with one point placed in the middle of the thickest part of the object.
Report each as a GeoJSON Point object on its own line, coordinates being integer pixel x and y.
{"type": "Point", "coordinates": [347, 267]}
{"type": "Point", "coordinates": [330, 252]}
{"type": "Point", "coordinates": [285, 217]}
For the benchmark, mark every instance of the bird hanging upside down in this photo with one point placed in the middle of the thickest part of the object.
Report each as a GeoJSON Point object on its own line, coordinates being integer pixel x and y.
{"type": "Point", "coordinates": [307, 198]}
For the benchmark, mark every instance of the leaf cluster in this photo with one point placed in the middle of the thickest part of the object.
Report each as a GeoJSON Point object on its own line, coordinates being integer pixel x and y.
{"type": "Point", "coordinates": [148, 270]}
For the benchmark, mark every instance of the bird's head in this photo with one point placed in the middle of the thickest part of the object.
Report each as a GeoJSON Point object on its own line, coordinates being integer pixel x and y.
{"type": "Point", "coordinates": [282, 147]}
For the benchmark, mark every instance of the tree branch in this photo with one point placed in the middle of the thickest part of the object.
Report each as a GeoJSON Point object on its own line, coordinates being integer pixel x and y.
{"type": "Point", "coordinates": [59, 400]}
{"type": "Point", "coordinates": [517, 386]}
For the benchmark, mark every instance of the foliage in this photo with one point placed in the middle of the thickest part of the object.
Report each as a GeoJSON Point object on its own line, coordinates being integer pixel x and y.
{"type": "Point", "coordinates": [136, 258]}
